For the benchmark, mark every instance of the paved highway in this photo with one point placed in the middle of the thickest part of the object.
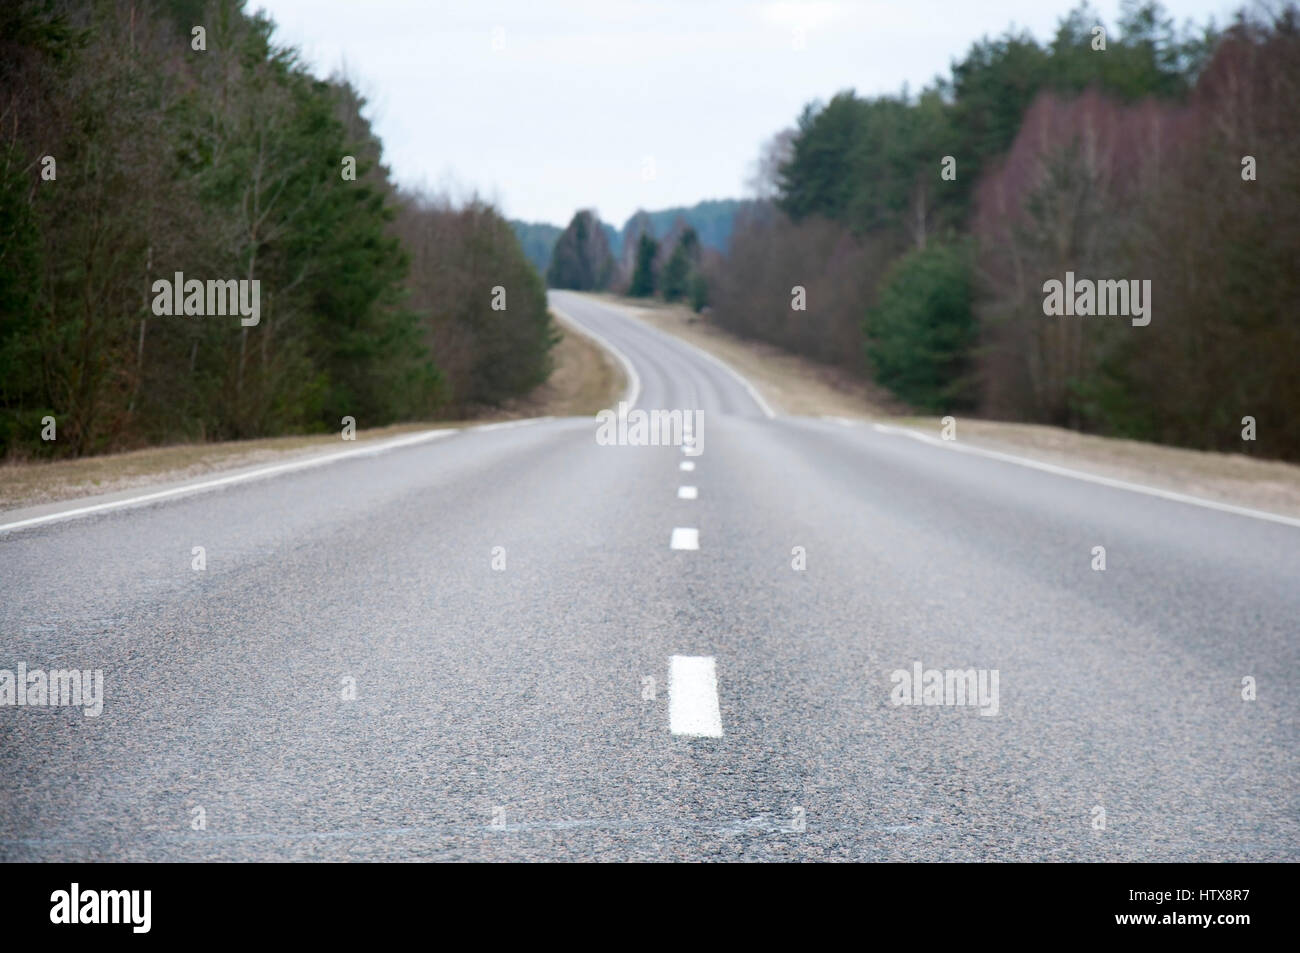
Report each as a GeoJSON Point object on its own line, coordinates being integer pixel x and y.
{"type": "Point", "coordinates": [484, 646]}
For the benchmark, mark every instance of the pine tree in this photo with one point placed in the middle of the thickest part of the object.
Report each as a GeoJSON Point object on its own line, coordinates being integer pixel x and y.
{"type": "Point", "coordinates": [643, 278]}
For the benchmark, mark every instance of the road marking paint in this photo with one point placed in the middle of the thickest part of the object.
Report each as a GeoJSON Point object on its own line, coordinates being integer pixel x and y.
{"type": "Point", "coordinates": [687, 493]}
{"type": "Point", "coordinates": [763, 405]}
{"type": "Point", "coordinates": [633, 392]}
{"type": "Point", "coordinates": [693, 696]}
{"type": "Point", "coordinates": [753, 392]}
{"type": "Point", "coordinates": [685, 537]}
{"type": "Point", "coordinates": [508, 424]}
{"type": "Point", "coordinates": [686, 466]}
{"type": "Point", "coordinates": [228, 480]}
{"type": "Point", "coordinates": [1089, 477]}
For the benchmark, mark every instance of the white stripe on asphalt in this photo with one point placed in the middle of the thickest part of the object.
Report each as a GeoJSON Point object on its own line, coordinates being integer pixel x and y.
{"type": "Point", "coordinates": [687, 493]}
{"type": "Point", "coordinates": [228, 480]}
{"type": "Point", "coordinates": [684, 537]}
{"type": "Point", "coordinates": [693, 697]}
{"type": "Point", "coordinates": [633, 392]}
{"type": "Point", "coordinates": [509, 424]}
{"type": "Point", "coordinates": [753, 391]}
{"type": "Point", "coordinates": [1090, 477]}
{"type": "Point", "coordinates": [686, 466]}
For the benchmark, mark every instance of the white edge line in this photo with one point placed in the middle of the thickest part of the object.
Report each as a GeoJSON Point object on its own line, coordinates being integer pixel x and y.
{"type": "Point", "coordinates": [1091, 477]}
{"type": "Point", "coordinates": [228, 480]}
{"type": "Point", "coordinates": [633, 392]}
{"type": "Point", "coordinates": [508, 424]}
{"type": "Point", "coordinates": [753, 391]}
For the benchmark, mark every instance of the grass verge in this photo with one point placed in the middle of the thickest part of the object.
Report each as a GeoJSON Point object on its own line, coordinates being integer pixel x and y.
{"type": "Point", "coordinates": [585, 379]}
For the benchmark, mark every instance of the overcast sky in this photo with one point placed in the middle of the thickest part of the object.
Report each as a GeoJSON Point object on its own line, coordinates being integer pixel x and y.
{"type": "Point", "coordinates": [546, 106]}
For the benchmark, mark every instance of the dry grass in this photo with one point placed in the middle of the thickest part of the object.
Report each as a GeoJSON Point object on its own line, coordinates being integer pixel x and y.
{"type": "Point", "coordinates": [585, 380]}
{"type": "Point", "coordinates": [30, 484]}
{"type": "Point", "coordinates": [1270, 485]}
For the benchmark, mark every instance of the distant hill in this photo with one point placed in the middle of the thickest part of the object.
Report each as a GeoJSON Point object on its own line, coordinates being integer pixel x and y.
{"type": "Point", "coordinates": [712, 221]}
{"type": "Point", "coordinates": [537, 239]}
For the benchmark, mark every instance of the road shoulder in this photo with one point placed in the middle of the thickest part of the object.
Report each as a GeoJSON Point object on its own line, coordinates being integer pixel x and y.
{"type": "Point", "coordinates": [584, 380]}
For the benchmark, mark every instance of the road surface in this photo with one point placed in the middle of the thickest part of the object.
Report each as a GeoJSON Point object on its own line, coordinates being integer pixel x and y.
{"type": "Point", "coordinates": [538, 674]}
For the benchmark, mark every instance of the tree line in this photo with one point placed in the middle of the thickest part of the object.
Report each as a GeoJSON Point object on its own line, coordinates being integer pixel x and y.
{"type": "Point", "coordinates": [672, 267]}
{"type": "Point", "coordinates": [712, 221]}
{"type": "Point", "coordinates": [922, 228]}
{"type": "Point", "coordinates": [144, 140]}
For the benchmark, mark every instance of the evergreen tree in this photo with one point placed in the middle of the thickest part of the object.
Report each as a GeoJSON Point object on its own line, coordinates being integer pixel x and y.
{"type": "Point", "coordinates": [581, 260]}
{"type": "Point", "coordinates": [643, 278]}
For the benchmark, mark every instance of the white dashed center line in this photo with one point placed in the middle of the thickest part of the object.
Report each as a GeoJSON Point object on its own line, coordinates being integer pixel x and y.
{"type": "Point", "coordinates": [686, 466]}
{"type": "Point", "coordinates": [685, 537]}
{"type": "Point", "coordinates": [693, 697]}
{"type": "Point", "coordinates": [687, 493]}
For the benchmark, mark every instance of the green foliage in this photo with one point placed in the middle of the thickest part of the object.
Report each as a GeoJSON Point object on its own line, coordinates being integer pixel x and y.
{"type": "Point", "coordinates": [819, 178]}
{"type": "Point", "coordinates": [21, 390]}
{"type": "Point", "coordinates": [1067, 156]}
{"type": "Point", "coordinates": [643, 277]}
{"type": "Point", "coordinates": [223, 166]}
{"type": "Point", "coordinates": [677, 273]}
{"type": "Point", "coordinates": [991, 89]}
{"type": "Point", "coordinates": [712, 221]}
{"type": "Point", "coordinates": [683, 264]}
{"type": "Point", "coordinates": [581, 260]}
{"type": "Point", "coordinates": [699, 291]}
{"type": "Point", "coordinates": [873, 164]}
{"type": "Point", "coordinates": [993, 86]}
{"type": "Point", "coordinates": [38, 27]}
{"type": "Point", "coordinates": [484, 302]}
{"type": "Point", "coordinates": [919, 336]}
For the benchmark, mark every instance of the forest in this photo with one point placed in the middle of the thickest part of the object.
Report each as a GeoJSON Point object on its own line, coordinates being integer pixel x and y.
{"type": "Point", "coordinates": [712, 221]}
{"type": "Point", "coordinates": [923, 228]}
{"type": "Point", "coordinates": [141, 139]}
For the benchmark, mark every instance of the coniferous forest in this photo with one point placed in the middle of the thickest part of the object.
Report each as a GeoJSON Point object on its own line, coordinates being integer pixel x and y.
{"type": "Point", "coordinates": [146, 140]}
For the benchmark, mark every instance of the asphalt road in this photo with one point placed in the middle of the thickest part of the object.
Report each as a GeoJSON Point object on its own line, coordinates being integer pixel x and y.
{"type": "Point", "coordinates": [506, 713]}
